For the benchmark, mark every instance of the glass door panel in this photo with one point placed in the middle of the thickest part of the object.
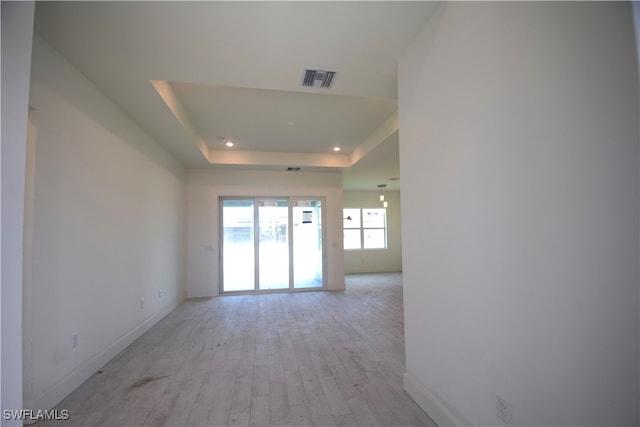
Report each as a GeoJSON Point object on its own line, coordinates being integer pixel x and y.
{"type": "Point", "coordinates": [273, 244]}
{"type": "Point", "coordinates": [238, 248]}
{"type": "Point", "coordinates": [307, 244]}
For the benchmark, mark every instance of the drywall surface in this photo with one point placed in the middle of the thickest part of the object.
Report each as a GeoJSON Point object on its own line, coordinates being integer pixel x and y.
{"type": "Point", "coordinates": [636, 20]}
{"type": "Point", "coordinates": [519, 157]}
{"type": "Point", "coordinates": [206, 186]}
{"type": "Point", "coordinates": [17, 31]}
{"type": "Point", "coordinates": [376, 260]}
{"type": "Point", "coordinates": [109, 229]}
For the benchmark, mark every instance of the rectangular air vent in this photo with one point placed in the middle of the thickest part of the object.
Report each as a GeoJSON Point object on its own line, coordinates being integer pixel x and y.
{"type": "Point", "coordinates": [318, 78]}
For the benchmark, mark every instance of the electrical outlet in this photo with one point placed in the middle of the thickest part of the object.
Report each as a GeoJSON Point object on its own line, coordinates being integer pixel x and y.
{"type": "Point", "coordinates": [75, 338]}
{"type": "Point", "coordinates": [159, 294]}
{"type": "Point", "coordinates": [141, 302]}
{"type": "Point", "coordinates": [503, 410]}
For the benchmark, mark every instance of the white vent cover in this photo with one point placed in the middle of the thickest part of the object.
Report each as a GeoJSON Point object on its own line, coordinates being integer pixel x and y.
{"type": "Point", "coordinates": [318, 78]}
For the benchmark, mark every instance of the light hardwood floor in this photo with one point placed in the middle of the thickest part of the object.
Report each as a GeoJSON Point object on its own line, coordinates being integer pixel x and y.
{"type": "Point", "coordinates": [287, 359]}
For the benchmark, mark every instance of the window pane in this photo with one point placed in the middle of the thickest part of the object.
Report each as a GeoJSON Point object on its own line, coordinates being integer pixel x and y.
{"type": "Point", "coordinates": [351, 218]}
{"type": "Point", "coordinates": [374, 239]}
{"type": "Point", "coordinates": [373, 218]}
{"type": "Point", "coordinates": [352, 239]}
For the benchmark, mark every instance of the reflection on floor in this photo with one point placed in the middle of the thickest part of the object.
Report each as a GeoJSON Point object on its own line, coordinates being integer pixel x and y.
{"type": "Point", "coordinates": [297, 359]}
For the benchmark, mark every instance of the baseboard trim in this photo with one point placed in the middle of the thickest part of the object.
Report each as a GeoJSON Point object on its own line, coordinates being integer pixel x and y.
{"type": "Point", "coordinates": [433, 406]}
{"type": "Point", "coordinates": [66, 385]}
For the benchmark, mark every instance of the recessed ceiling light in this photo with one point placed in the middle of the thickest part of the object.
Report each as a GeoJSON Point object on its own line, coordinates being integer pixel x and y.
{"type": "Point", "coordinates": [336, 149]}
{"type": "Point", "coordinates": [229, 144]}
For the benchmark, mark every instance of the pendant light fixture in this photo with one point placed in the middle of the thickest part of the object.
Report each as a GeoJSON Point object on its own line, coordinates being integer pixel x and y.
{"type": "Point", "coordinates": [384, 202]}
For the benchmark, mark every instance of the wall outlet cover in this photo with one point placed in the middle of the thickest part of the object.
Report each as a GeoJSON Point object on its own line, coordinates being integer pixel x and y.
{"type": "Point", "coordinates": [503, 410]}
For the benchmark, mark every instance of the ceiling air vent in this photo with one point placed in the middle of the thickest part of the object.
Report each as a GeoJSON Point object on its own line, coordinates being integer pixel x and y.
{"type": "Point", "coordinates": [318, 78]}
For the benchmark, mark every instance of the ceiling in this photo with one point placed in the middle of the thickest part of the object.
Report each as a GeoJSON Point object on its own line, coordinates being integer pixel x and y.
{"type": "Point", "coordinates": [195, 74]}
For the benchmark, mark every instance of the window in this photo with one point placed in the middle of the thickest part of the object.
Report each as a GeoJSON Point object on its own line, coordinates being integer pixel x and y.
{"type": "Point", "coordinates": [365, 228]}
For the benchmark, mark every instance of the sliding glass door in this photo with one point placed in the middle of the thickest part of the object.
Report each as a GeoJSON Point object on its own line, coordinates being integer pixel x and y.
{"type": "Point", "coordinates": [238, 244]}
{"type": "Point", "coordinates": [307, 244]}
{"type": "Point", "coordinates": [271, 244]}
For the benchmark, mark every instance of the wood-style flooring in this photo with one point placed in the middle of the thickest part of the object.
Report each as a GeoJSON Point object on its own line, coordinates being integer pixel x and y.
{"type": "Point", "coordinates": [287, 359]}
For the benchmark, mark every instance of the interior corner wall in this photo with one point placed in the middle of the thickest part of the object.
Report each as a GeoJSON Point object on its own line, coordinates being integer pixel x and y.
{"type": "Point", "coordinates": [206, 186]}
{"type": "Point", "coordinates": [519, 151]}
{"type": "Point", "coordinates": [17, 32]}
{"type": "Point", "coordinates": [376, 260]}
{"type": "Point", "coordinates": [109, 229]}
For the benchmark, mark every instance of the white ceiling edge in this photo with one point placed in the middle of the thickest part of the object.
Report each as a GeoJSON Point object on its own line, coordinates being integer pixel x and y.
{"type": "Point", "coordinates": [271, 158]}
{"type": "Point", "coordinates": [380, 166]}
{"type": "Point", "coordinates": [377, 137]}
{"type": "Point", "coordinates": [170, 98]}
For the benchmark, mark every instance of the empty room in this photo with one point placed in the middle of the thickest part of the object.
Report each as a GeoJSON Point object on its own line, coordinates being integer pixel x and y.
{"type": "Point", "coordinates": [320, 213]}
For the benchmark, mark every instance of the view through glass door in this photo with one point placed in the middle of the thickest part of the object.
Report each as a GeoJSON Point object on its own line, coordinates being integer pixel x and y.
{"type": "Point", "coordinates": [273, 249]}
{"type": "Point", "coordinates": [284, 235]}
{"type": "Point", "coordinates": [307, 244]}
{"type": "Point", "coordinates": [238, 247]}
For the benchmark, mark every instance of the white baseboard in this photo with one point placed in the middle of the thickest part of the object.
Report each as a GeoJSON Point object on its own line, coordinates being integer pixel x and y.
{"type": "Point", "coordinates": [66, 385]}
{"type": "Point", "coordinates": [433, 406]}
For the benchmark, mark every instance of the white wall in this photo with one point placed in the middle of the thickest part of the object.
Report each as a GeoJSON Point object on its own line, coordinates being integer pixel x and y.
{"type": "Point", "coordinates": [520, 164]}
{"type": "Point", "coordinates": [376, 260]}
{"type": "Point", "coordinates": [109, 228]}
{"type": "Point", "coordinates": [17, 29]}
{"type": "Point", "coordinates": [206, 186]}
{"type": "Point", "coordinates": [636, 21]}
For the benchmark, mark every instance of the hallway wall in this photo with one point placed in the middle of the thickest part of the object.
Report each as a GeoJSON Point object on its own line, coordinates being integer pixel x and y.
{"type": "Point", "coordinates": [109, 229]}
{"type": "Point", "coordinates": [519, 147]}
{"type": "Point", "coordinates": [17, 31]}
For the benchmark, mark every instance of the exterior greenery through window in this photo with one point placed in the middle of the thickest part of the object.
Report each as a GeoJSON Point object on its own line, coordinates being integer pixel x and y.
{"type": "Point", "coordinates": [365, 228]}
